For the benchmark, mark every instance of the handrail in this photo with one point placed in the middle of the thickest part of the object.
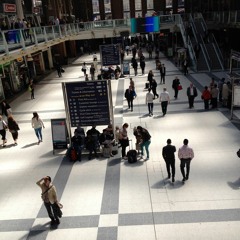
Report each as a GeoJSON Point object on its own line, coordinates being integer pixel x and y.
{"type": "Point", "coordinates": [219, 60]}
{"type": "Point", "coordinates": [205, 53]}
{"type": "Point", "coordinates": [218, 49]}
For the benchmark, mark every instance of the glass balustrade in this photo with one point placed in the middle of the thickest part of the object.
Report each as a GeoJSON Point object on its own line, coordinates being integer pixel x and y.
{"type": "Point", "coordinates": [13, 39]}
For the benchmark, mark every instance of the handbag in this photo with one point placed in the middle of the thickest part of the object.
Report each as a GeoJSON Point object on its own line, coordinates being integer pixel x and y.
{"type": "Point", "coordinates": [179, 87]}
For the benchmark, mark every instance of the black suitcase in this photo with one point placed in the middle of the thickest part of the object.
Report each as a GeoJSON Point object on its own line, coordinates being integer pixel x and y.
{"type": "Point", "coordinates": [146, 85]}
{"type": "Point", "coordinates": [132, 156]}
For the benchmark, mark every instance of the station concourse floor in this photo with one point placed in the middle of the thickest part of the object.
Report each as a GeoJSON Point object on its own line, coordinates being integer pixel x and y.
{"type": "Point", "coordinates": [109, 199]}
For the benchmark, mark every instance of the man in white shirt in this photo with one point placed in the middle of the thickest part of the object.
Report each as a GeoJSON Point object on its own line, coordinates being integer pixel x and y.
{"type": "Point", "coordinates": [185, 154]}
{"type": "Point", "coordinates": [149, 102]}
{"type": "Point", "coordinates": [164, 100]}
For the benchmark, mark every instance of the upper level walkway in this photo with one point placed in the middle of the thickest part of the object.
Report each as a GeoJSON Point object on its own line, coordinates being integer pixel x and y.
{"type": "Point", "coordinates": [15, 43]}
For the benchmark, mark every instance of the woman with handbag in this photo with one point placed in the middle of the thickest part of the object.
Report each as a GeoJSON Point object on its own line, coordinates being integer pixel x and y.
{"type": "Point", "coordinates": [13, 129]}
{"type": "Point", "coordinates": [3, 127]}
{"type": "Point", "coordinates": [37, 124]}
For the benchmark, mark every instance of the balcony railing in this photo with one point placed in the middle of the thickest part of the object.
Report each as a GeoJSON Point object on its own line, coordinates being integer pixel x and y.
{"type": "Point", "coordinates": [15, 39]}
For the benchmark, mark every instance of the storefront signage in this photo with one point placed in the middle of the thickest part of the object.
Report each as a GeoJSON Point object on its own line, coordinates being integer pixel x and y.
{"type": "Point", "coordinates": [9, 8]}
{"type": "Point", "coordinates": [88, 103]}
{"type": "Point", "coordinates": [110, 54]}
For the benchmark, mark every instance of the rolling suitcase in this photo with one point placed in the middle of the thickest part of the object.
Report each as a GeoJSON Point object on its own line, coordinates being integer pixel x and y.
{"type": "Point", "coordinates": [131, 154]}
{"type": "Point", "coordinates": [146, 85]}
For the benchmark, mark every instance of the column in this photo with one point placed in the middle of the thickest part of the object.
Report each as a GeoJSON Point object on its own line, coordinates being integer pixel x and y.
{"type": "Point", "coordinates": [20, 14]}
{"type": "Point", "coordinates": [102, 9]}
{"type": "Point", "coordinates": [144, 7]}
{"type": "Point", "coordinates": [50, 59]}
{"type": "Point", "coordinates": [132, 8]}
{"type": "Point", "coordinates": [117, 9]}
{"type": "Point", "coordinates": [175, 6]}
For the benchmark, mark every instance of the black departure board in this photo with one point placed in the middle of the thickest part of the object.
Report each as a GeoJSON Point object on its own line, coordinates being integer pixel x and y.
{"type": "Point", "coordinates": [88, 103]}
{"type": "Point", "coordinates": [110, 54]}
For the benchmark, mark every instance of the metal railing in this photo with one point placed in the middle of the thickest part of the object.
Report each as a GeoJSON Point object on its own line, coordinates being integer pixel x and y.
{"type": "Point", "coordinates": [13, 39]}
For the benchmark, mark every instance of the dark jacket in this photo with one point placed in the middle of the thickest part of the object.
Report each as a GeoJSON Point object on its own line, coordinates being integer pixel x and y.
{"type": "Point", "coordinates": [175, 83]}
{"type": "Point", "coordinates": [129, 94]}
{"type": "Point", "coordinates": [194, 92]}
{"type": "Point", "coordinates": [145, 135]}
{"type": "Point", "coordinates": [168, 152]}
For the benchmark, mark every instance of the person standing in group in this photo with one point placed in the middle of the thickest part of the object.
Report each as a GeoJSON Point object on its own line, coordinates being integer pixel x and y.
{"type": "Point", "coordinates": [164, 100]}
{"type": "Point", "coordinates": [175, 85]}
{"type": "Point", "coordinates": [3, 127]}
{"type": "Point", "coordinates": [37, 124]}
{"type": "Point", "coordinates": [185, 154]}
{"type": "Point", "coordinates": [129, 95]}
{"type": "Point", "coordinates": [162, 73]}
{"type": "Point", "coordinates": [206, 96]}
{"type": "Point", "coordinates": [13, 129]}
{"type": "Point", "coordinates": [145, 141]}
{"type": "Point", "coordinates": [191, 93]}
{"type": "Point", "coordinates": [31, 89]}
{"type": "Point", "coordinates": [154, 88]}
{"type": "Point", "coordinates": [169, 158]}
{"type": "Point", "coordinates": [123, 138]}
{"type": "Point", "coordinates": [49, 197]}
{"type": "Point", "coordinates": [92, 143]}
{"type": "Point", "coordinates": [6, 108]}
{"type": "Point", "coordinates": [214, 93]}
{"type": "Point", "coordinates": [149, 102]}
{"type": "Point", "coordinates": [84, 68]}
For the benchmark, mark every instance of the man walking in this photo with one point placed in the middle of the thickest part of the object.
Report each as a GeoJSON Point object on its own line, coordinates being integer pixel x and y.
{"type": "Point", "coordinates": [149, 102]}
{"type": "Point", "coordinates": [185, 154]}
{"type": "Point", "coordinates": [162, 73]}
{"type": "Point", "coordinates": [164, 100]}
{"type": "Point", "coordinates": [129, 95]}
{"type": "Point", "coordinates": [49, 197]}
{"type": "Point", "coordinates": [169, 158]}
{"type": "Point", "coordinates": [191, 93]}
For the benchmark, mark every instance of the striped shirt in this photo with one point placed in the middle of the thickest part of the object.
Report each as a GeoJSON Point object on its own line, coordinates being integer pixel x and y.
{"type": "Point", "coordinates": [185, 152]}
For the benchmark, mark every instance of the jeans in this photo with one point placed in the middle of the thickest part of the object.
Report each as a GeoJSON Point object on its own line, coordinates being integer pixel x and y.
{"type": "Point", "coordinates": [150, 108]}
{"type": "Point", "coordinates": [38, 132]}
{"type": "Point", "coordinates": [146, 146]}
{"type": "Point", "coordinates": [185, 162]}
{"type": "Point", "coordinates": [164, 107]}
{"type": "Point", "coordinates": [51, 209]}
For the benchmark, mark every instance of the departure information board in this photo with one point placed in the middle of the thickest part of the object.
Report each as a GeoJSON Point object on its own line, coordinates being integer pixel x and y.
{"type": "Point", "coordinates": [110, 54]}
{"type": "Point", "coordinates": [88, 103]}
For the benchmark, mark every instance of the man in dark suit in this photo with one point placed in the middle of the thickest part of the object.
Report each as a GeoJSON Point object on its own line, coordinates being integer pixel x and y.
{"type": "Point", "coordinates": [129, 95]}
{"type": "Point", "coordinates": [169, 157]}
{"type": "Point", "coordinates": [191, 93]}
{"type": "Point", "coordinates": [163, 74]}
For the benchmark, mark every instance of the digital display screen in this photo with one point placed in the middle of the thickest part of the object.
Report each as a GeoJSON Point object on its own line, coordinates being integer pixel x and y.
{"type": "Point", "coordinates": [145, 25]}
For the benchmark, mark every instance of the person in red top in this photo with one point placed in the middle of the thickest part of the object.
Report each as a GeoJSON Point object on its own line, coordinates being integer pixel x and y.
{"type": "Point", "coordinates": [206, 96]}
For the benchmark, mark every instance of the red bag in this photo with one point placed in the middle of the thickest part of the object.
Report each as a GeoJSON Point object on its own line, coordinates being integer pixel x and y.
{"type": "Point", "coordinates": [180, 87]}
